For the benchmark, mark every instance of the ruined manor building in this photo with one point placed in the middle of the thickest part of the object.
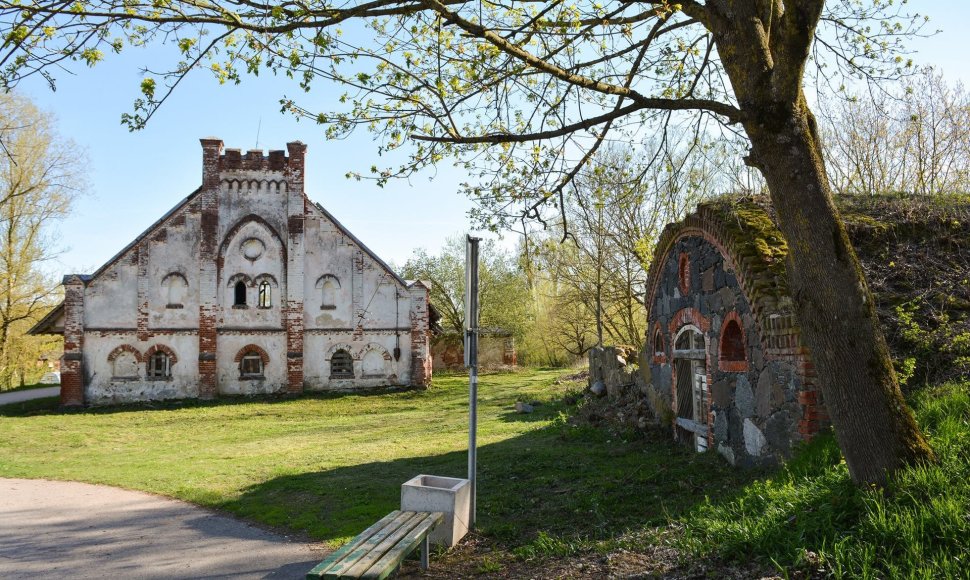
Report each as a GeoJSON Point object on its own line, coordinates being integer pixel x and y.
{"type": "Point", "coordinates": [245, 287]}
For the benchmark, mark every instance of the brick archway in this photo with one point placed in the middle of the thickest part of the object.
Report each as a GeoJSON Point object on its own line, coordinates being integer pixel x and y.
{"type": "Point", "coordinates": [252, 348]}
{"type": "Point", "coordinates": [114, 354]}
{"type": "Point", "coordinates": [161, 348]}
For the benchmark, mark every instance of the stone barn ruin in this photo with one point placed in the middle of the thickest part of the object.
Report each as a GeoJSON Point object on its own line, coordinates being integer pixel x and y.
{"type": "Point", "coordinates": [723, 353]}
{"type": "Point", "coordinates": [245, 287]}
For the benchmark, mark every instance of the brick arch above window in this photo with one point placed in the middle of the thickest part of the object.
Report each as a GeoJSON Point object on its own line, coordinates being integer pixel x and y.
{"type": "Point", "coordinates": [375, 347]}
{"type": "Point", "coordinates": [266, 278]}
{"type": "Point", "coordinates": [161, 348]}
{"type": "Point", "coordinates": [173, 277]}
{"type": "Point", "coordinates": [687, 316]}
{"type": "Point", "coordinates": [253, 219]}
{"type": "Point", "coordinates": [328, 284]}
{"type": "Point", "coordinates": [327, 278]}
{"type": "Point", "coordinates": [340, 346]}
{"type": "Point", "coordinates": [114, 354]}
{"type": "Point", "coordinates": [236, 278]}
{"type": "Point", "coordinates": [174, 289]}
{"type": "Point", "coordinates": [252, 348]}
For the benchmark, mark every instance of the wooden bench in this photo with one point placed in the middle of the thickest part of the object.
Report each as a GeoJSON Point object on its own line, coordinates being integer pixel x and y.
{"type": "Point", "coordinates": [379, 550]}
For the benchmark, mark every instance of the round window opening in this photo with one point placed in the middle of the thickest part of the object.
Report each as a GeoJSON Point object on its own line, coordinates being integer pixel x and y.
{"type": "Point", "coordinates": [252, 248]}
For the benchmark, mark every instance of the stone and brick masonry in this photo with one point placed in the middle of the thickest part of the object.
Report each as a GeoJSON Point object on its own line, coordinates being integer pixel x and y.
{"type": "Point", "coordinates": [245, 287]}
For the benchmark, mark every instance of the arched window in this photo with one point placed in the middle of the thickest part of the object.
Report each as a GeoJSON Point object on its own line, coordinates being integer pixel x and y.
{"type": "Point", "coordinates": [683, 274]}
{"type": "Point", "coordinates": [341, 365]}
{"type": "Point", "coordinates": [175, 287]}
{"type": "Point", "coordinates": [658, 343]}
{"type": "Point", "coordinates": [732, 349]}
{"type": "Point", "coordinates": [328, 284]}
{"type": "Point", "coordinates": [374, 364]}
{"type": "Point", "coordinates": [265, 295]}
{"type": "Point", "coordinates": [251, 365]}
{"type": "Point", "coordinates": [125, 366]}
{"type": "Point", "coordinates": [159, 365]}
{"type": "Point", "coordinates": [732, 342]}
{"type": "Point", "coordinates": [239, 294]}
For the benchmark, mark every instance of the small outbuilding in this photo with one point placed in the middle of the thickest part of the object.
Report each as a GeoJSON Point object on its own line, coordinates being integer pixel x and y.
{"type": "Point", "coordinates": [723, 349]}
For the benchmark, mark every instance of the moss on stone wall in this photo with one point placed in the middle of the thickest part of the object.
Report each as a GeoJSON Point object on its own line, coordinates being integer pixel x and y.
{"type": "Point", "coordinates": [916, 256]}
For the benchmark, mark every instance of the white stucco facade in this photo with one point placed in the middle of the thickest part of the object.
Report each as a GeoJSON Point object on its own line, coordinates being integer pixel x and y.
{"type": "Point", "coordinates": [245, 287]}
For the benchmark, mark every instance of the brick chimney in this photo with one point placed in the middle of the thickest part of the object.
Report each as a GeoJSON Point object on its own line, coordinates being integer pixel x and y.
{"type": "Point", "coordinates": [211, 150]}
{"type": "Point", "coordinates": [295, 166]}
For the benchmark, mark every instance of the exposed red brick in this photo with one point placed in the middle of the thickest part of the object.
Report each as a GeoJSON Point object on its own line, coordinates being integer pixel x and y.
{"type": "Point", "coordinates": [72, 362]}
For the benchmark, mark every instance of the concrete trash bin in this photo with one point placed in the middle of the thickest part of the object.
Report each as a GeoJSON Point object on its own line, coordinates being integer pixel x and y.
{"type": "Point", "coordinates": [450, 495]}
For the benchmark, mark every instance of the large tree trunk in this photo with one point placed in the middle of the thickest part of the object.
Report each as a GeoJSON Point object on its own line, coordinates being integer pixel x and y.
{"type": "Point", "coordinates": [874, 427]}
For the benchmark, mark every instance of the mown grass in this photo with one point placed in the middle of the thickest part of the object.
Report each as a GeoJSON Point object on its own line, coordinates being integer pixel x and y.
{"type": "Point", "coordinates": [330, 466]}
{"type": "Point", "coordinates": [810, 516]}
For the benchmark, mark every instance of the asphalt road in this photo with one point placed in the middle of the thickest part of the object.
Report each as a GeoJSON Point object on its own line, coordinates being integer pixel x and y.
{"type": "Point", "coordinates": [21, 396]}
{"type": "Point", "coordinates": [75, 530]}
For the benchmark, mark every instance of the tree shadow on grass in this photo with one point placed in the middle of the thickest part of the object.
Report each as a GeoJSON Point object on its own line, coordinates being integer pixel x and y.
{"type": "Point", "coordinates": [562, 480]}
{"type": "Point", "coordinates": [51, 405]}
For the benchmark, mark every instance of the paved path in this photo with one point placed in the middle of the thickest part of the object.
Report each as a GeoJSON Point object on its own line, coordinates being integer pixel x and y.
{"type": "Point", "coordinates": [21, 396]}
{"type": "Point", "coordinates": [74, 530]}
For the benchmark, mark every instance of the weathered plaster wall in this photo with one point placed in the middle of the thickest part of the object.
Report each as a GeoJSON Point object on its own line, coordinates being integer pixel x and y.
{"type": "Point", "coordinates": [173, 275]}
{"type": "Point", "coordinates": [374, 364]}
{"type": "Point", "coordinates": [103, 387]}
{"type": "Point", "coordinates": [231, 345]}
{"type": "Point", "coordinates": [110, 301]}
{"type": "Point", "coordinates": [251, 253]}
{"type": "Point", "coordinates": [175, 285]}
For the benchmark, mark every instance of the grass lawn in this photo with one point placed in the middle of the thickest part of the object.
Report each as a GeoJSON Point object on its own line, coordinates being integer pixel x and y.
{"type": "Point", "coordinates": [332, 465]}
{"type": "Point", "coordinates": [329, 466]}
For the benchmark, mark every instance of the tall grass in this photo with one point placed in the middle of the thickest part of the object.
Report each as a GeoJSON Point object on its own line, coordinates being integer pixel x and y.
{"type": "Point", "coordinates": [810, 516]}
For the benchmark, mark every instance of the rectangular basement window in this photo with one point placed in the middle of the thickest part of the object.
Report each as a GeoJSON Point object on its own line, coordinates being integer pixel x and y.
{"type": "Point", "coordinates": [251, 367]}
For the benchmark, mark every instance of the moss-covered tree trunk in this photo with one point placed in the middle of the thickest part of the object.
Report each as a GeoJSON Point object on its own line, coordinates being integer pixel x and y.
{"type": "Point", "coordinates": [764, 47]}
{"type": "Point", "coordinates": [875, 429]}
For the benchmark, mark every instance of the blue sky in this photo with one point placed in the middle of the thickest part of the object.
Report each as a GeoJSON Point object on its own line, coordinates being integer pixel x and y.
{"type": "Point", "coordinates": [136, 177]}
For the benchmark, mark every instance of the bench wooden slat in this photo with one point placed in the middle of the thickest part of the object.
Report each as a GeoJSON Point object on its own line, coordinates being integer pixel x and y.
{"type": "Point", "coordinates": [379, 550]}
{"type": "Point", "coordinates": [341, 553]}
{"type": "Point", "coordinates": [364, 563]}
{"type": "Point", "coordinates": [393, 557]}
{"type": "Point", "coordinates": [363, 547]}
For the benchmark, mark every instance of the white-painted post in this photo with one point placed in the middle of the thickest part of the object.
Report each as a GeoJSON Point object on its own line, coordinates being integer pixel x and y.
{"type": "Point", "coordinates": [471, 361]}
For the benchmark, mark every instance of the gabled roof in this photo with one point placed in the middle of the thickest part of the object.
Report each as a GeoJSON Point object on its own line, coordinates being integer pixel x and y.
{"type": "Point", "coordinates": [46, 324]}
{"type": "Point", "coordinates": [361, 245]}
{"type": "Point", "coordinates": [148, 231]}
